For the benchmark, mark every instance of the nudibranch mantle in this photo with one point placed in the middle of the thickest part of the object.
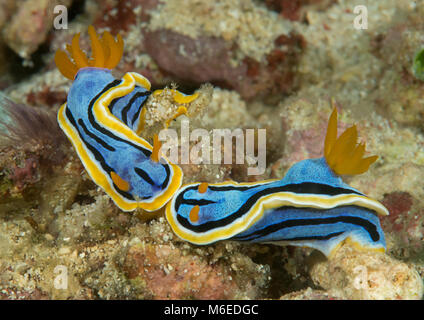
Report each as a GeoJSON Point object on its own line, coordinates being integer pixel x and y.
{"type": "Point", "coordinates": [311, 206]}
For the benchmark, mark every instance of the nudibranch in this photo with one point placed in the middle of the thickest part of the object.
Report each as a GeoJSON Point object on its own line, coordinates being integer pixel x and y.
{"type": "Point", "coordinates": [310, 207]}
{"type": "Point", "coordinates": [103, 118]}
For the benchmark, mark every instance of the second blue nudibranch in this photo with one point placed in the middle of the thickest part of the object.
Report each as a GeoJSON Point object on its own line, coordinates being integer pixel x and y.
{"type": "Point", "coordinates": [311, 206]}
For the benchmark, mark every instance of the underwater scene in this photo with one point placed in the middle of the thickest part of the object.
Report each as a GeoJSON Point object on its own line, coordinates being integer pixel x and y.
{"type": "Point", "coordinates": [211, 150]}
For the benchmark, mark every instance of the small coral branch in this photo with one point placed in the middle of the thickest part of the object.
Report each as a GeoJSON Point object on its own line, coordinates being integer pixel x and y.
{"type": "Point", "coordinates": [162, 108]}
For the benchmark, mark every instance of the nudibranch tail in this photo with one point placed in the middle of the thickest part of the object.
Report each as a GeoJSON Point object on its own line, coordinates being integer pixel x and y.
{"type": "Point", "coordinates": [343, 154]}
{"type": "Point", "coordinates": [106, 53]}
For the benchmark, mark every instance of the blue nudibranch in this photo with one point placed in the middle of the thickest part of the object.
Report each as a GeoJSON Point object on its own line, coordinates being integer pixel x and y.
{"type": "Point", "coordinates": [311, 206]}
{"type": "Point", "coordinates": [103, 118]}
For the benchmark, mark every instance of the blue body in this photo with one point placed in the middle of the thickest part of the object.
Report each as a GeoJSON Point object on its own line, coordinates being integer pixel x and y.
{"type": "Point", "coordinates": [108, 149]}
{"type": "Point", "coordinates": [319, 211]}
{"type": "Point", "coordinates": [319, 229]}
{"type": "Point", "coordinates": [307, 176]}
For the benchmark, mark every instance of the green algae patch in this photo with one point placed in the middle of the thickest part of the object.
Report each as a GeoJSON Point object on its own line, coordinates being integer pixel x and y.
{"type": "Point", "coordinates": [418, 65]}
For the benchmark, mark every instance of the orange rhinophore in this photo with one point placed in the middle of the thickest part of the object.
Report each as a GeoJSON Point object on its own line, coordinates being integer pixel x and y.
{"type": "Point", "coordinates": [343, 154]}
{"type": "Point", "coordinates": [106, 53]}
